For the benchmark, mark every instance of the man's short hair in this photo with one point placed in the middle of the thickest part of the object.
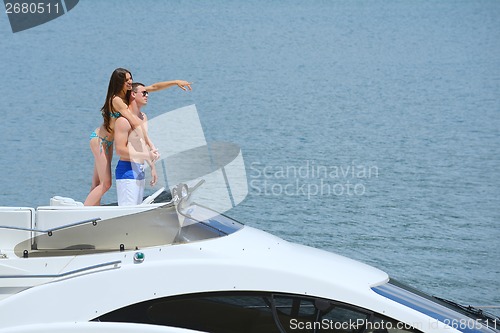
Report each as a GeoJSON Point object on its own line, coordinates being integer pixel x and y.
{"type": "Point", "coordinates": [135, 85]}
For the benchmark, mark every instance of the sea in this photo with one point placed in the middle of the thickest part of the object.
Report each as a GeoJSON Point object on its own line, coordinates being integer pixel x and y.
{"type": "Point", "coordinates": [367, 128]}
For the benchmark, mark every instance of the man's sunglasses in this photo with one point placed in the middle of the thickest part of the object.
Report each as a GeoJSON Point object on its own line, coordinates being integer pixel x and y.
{"type": "Point", "coordinates": [144, 93]}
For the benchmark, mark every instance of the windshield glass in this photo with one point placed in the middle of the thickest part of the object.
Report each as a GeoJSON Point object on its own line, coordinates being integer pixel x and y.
{"type": "Point", "coordinates": [465, 319]}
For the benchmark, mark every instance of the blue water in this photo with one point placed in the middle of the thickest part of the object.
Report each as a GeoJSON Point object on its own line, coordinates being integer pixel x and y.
{"type": "Point", "coordinates": [371, 129]}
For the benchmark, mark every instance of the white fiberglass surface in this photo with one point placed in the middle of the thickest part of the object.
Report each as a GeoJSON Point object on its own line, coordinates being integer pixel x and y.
{"type": "Point", "coordinates": [159, 226]}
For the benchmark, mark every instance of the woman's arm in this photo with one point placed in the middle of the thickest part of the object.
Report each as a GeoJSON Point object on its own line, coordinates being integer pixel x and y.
{"type": "Point", "coordinates": [120, 106]}
{"type": "Point", "coordinates": [184, 85]}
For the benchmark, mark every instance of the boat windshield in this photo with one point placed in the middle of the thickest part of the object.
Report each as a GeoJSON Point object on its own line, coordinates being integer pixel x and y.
{"type": "Point", "coordinates": [463, 318]}
{"type": "Point", "coordinates": [158, 226]}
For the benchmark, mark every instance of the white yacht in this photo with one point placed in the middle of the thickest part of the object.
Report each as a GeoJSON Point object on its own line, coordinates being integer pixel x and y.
{"type": "Point", "coordinates": [182, 267]}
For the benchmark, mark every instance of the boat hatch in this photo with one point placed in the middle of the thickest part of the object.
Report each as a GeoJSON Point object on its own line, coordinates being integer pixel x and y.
{"type": "Point", "coordinates": [159, 226]}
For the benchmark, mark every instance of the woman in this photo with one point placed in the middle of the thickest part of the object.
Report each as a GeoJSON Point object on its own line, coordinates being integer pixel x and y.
{"type": "Point", "coordinates": [101, 140]}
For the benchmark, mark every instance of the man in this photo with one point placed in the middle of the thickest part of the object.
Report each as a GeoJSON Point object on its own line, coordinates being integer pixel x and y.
{"type": "Point", "coordinates": [130, 145]}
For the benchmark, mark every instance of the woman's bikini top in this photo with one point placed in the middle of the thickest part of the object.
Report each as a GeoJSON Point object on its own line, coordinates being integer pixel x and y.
{"type": "Point", "coordinates": [115, 114]}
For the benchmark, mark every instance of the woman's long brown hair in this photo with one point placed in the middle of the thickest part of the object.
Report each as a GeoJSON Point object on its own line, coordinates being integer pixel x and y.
{"type": "Point", "coordinates": [116, 82]}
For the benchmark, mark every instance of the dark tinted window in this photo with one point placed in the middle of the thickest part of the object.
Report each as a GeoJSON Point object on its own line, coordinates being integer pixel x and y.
{"type": "Point", "coordinates": [254, 312]}
{"type": "Point", "coordinates": [307, 314]}
{"type": "Point", "coordinates": [223, 314]}
{"type": "Point", "coordinates": [230, 312]}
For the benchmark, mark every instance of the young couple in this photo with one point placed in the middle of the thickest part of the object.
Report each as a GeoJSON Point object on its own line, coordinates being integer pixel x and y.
{"type": "Point", "coordinates": [126, 126]}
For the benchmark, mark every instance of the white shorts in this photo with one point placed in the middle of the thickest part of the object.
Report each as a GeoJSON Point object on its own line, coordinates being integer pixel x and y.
{"type": "Point", "coordinates": [130, 183]}
{"type": "Point", "coordinates": [130, 191]}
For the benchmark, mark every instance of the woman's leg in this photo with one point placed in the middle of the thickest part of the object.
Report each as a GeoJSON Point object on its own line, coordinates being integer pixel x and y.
{"type": "Point", "coordinates": [95, 178]}
{"type": "Point", "coordinates": [102, 167]}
